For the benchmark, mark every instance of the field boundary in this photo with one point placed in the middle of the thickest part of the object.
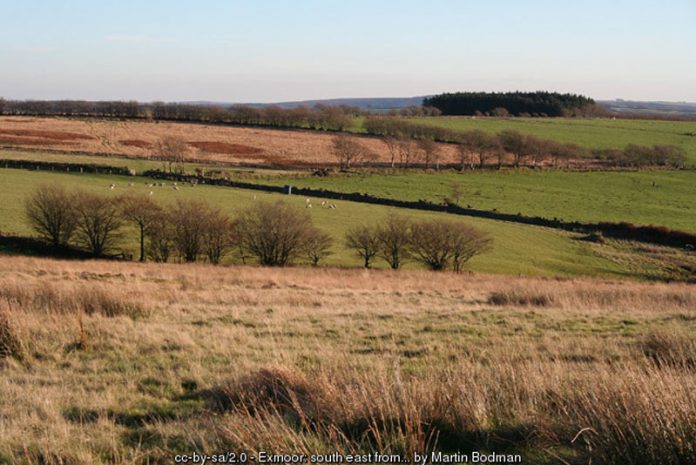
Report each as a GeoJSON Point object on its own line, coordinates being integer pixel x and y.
{"type": "Point", "coordinates": [643, 233]}
{"type": "Point", "coordinates": [36, 165]}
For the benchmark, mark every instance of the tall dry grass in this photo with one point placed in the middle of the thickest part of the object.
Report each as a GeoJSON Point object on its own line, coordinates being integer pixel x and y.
{"type": "Point", "coordinates": [131, 363]}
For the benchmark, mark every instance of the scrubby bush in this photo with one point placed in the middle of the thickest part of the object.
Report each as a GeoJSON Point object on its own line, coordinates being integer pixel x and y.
{"type": "Point", "coordinates": [363, 240]}
{"type": "Point", "coordinates": [51, 215]}
{"type": "Point", "coordinates": [394, 239]}
{"type": "Point", "coordinates": [440, 244]}
{"type": "Point", "coordinates": [275, 233]}
{"type": "Point", "coordinates": [99, 220]}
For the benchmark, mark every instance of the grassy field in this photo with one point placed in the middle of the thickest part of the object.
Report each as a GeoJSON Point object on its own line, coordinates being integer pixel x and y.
{"type": "Point", "coordinates": [666, 198]}
{"type": "Point", "coordinates": [517, 249]}
{"type": "Point", "coordinates": [133, 363]}
{"type": "Point", "coordinates": [140, 165]}
{"type": "Point", "coordinates": [591, 133]}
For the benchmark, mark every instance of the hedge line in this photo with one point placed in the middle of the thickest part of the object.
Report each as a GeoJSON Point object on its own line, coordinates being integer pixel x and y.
{"type": "Point", "coordinates": [650, 234]}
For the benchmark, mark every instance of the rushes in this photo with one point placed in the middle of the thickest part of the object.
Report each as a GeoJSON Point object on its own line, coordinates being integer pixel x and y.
{"type": "Point", "coordinates": [92, 298]}
{"type": "Point", "coordinates": [10, 343]}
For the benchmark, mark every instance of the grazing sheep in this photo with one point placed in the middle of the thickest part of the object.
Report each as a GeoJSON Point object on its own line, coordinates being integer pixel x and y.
{"type": "Point", "coordinates": [309, 205]}
{"type": "Point", "coordinates": [151, 192]}
{"type": "Point", "coordinates": [176, 188]}
{"type": "Point", "coordinates": [323, 203]}
{"type": "Point", "coordinates": [333, 205]}
{"type": "Point", "coordinates": [112, 186]}
{"type": "Point", "coordinates": [307, 200]}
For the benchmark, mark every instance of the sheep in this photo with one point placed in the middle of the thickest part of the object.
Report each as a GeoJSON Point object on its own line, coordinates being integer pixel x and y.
{"type": "Point", "coordinates": [309, 205]}
{"type": "Point", "coordinates": [307, 200]}
{"type": "Point", "coordinates": [112, 186]}
{"type": "Point", "coordinates": [151, 193]}
{"type": "Point", "coordinates": [333, 206]}
{"type": "Point", "coordinates": [176, 188]}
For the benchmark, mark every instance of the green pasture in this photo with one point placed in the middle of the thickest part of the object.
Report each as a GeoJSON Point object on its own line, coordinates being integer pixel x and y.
{"type": "Point", "coordinates": [586, 132]}
{"type": "Point", "coordinates": [660, 197]}
{"type": "Point", "coordinates": [517, 249]}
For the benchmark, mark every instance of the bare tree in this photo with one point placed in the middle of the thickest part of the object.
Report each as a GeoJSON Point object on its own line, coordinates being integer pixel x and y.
{"type": "Point", "coordinates": [392, 144]}
{"type": "Point", "coordinates": [99, 222]}
{"type": "Point", "coordinates": [142, 212]}
{"type": "Point", "coordinates": [188, 218]}
{"type": "Point", "coordinates": [477, 147]}
{"type": "Point", "coordinates": [456, 193]}
{"type": "Point", "coordinates": [172, 150]}
{"type": "Point", "coordinates": [218, 235]}
{"type": "Point", "coordinates": [430, 151]}
{"type": "Point", "coordinates": [347, 150]}
{"type": "Point", "coordinates": [406, 152]}
{"type": "Point", "coordinates": [51, 215]}
{"type": "Point", "coordinates": [160, 237]}
{"type": "Point", "coordinates": [317, 246]}
{"type": "Point", "coordinates": [467, 242]}
{"type": "Point", "coordinates": [394, 238]}
{"type": "Point", "coordinates": [439, 243]}
{"type": "Point", "coordinates": [364, 241]}
{"type": "Point", "coordinates": [515, 143]}
{"type": "Point", "coordinates": [274, 233]}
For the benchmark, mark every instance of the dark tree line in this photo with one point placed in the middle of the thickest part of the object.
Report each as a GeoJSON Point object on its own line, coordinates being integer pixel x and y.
{"type": "Point", "coordinates": [511, 103]}
{"type": "Point", "coordinates": [319, 117]}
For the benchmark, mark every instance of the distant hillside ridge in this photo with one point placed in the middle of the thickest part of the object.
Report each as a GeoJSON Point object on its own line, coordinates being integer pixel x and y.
{"type": "Point", "coordinates": [540, 103]}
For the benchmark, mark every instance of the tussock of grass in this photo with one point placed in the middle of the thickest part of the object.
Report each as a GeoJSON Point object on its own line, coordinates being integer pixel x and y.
{"type": "Point", "coordinates": [88, 298]}
{"type": "Point", "coordinates": [520, 297]}
{"type": "Point", "coordinates": [670, 349]}
{"type": "Point", "coordinates": [10, 343]}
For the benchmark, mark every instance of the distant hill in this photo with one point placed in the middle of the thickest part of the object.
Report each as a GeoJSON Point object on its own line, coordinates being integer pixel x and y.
{"type": "Point", "coordinates": [377, 104]}
{"type": "Point", "coordinates": [666, 109]}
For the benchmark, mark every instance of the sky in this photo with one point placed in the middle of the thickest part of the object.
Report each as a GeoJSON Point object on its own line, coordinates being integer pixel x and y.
{"type": "Point", "coordinates": [273, 50]}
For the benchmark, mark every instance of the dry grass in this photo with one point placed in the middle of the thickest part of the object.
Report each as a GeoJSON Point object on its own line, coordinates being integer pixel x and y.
{"type": "Point", "coordinates": [319, 360]}
{"type": "Point", "coordinates": [209, 143]}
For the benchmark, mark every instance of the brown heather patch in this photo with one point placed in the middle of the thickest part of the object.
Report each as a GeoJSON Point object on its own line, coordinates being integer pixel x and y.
{"type": "Point", "coordinates": [141, 144]}
{"type": "Point", "coordinates": [216, 144]}
{"type": "Point", "coordinates": [52, 135]}
{"type": "Point", "coordinates": [25, 141]}
{"type": "Point", "coordinates": [225, 148]}
{"type": "Point", "coordinates": [311, 360]}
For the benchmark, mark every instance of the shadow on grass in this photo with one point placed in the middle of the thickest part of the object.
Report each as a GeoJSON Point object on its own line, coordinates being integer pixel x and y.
{"type": "Point", "coordinates": [18, 245]}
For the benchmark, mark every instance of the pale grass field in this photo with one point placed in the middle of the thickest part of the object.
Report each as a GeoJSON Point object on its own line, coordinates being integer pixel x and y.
{"type": "Point", "coordinates": [181, 358]}
{"type": "Point", "coordinates": [279, 147]}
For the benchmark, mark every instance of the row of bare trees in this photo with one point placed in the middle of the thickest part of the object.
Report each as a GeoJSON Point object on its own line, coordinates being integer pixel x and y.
{"type": "Point", "coordinates": [275, 234]}
{"type": "Point", "coordinates": [319, 117]}
{"type": "Point", "coordinates": [410, 143]}
{"type": "Point", "coordinates": [437, 244]}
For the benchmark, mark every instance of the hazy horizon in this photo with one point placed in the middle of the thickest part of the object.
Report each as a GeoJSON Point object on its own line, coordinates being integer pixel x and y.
{"type": "Point", "coordinates": [309, 50]}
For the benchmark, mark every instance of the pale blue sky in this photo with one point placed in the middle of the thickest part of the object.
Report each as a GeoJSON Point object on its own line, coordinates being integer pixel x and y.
{"type": "Point", "coordinates": [303, 49]}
